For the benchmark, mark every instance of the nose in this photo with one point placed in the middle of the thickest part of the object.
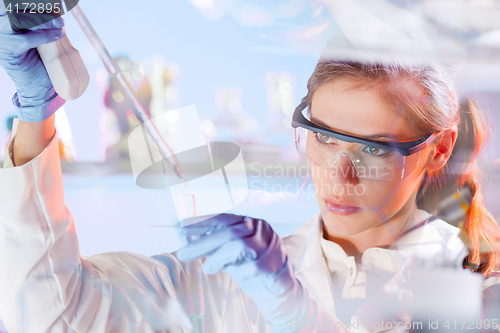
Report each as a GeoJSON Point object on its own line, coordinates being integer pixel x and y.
{"type": "Point", "coordinates": [342, 167]}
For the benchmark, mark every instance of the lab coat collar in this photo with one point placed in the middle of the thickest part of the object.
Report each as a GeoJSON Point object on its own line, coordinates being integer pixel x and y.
{"type": "Point", "coordinates": [304, 245]}
{"type": "Point", "coordinates": [385, 259]}
{"type": "Point", "coordinates": [304, 250]}
{"type": "Point", "coordinates": [391, 259]}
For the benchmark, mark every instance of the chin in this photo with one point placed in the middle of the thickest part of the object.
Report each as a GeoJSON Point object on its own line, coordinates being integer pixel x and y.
{"type": "Point", "coordinates": [345, 225]}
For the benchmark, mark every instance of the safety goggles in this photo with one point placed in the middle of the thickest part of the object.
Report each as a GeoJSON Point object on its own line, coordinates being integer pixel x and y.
{"type": "Point", "coordinates": [369, 159]}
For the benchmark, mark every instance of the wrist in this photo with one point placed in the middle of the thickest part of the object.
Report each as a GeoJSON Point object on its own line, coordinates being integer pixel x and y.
{"type": "Point", "coordinates": [33, 112]}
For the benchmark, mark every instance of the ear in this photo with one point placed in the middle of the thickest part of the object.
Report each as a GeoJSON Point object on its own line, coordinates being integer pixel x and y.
{"type": "Point", "coordinates": [443, 147]}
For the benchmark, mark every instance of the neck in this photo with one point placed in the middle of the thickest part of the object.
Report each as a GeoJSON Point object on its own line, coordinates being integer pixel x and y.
{"type": "Point", "coordinates": [381, 235]}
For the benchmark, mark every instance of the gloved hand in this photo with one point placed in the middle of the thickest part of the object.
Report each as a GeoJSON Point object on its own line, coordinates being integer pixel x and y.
{"type": "Point", "coordinates": [252, 254]}
{"type": "Point", "coordinates": [36, 99]}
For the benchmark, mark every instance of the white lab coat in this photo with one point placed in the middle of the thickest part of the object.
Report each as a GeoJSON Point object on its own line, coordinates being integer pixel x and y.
{"type": "Point", "coordinates": [46, 285]}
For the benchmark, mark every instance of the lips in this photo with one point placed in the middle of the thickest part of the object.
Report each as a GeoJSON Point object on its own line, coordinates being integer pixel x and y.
{"type": "Point", "coordinates": [341, 207]}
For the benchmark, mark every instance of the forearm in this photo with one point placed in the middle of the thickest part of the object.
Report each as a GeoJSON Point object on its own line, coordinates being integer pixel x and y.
{"type": "Point", "coordinates": [31, 139]}
{"type": "Point", "coordinates": [44, 283]}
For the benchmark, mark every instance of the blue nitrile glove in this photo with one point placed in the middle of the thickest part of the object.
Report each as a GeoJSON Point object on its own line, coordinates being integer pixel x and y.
{"type": "Point", "coordinates": [252, 254]}
{"type": "Point", "coordinates": [36, 99]}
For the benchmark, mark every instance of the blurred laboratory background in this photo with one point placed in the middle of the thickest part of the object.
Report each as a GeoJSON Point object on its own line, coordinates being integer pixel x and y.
{"type": "Point", "coordinates": [245, 65]}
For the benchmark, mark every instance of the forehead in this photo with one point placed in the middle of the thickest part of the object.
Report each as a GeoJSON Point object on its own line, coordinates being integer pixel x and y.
{"type": "Point", "coordinates": [359, 110]}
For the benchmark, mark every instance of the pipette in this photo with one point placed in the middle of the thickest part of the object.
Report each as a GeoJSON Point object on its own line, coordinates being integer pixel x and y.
{"type": "Point", "coordinates": [165, 151]}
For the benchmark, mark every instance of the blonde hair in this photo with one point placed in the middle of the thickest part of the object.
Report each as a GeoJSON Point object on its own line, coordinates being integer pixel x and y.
{"type": "Point", "coordinates": [431, 105]}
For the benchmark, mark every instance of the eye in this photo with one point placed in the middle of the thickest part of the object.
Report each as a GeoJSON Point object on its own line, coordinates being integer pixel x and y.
{"type": "Point", "coordinates": [375, 151]}
{"type": "Point", "coordinates": [323, 138]}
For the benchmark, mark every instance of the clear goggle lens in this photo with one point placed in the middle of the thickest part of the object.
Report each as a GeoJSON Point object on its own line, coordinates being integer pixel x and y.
{"type": "Point", "coordinates": [368, 162]}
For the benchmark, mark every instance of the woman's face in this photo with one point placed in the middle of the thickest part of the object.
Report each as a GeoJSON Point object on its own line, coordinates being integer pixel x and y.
{"type": "Point", "coordinates": [351, 205]}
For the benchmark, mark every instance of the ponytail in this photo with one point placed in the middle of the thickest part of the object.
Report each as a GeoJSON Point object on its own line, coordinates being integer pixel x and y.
{"type": "Point", "coordinates": [480, 228]}
{"type": "Point", "coordinates": [480, 232]}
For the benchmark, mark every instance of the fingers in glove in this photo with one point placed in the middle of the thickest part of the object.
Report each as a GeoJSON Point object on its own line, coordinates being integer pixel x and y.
{"type": "Point", "coordinates": [21, 43]}
{"type": "Point", "coordinates": [194, 231]}
{"type": "Point", "coordinates": [233, 253]}
{"type": "Point", "coordinates": [205, 245]}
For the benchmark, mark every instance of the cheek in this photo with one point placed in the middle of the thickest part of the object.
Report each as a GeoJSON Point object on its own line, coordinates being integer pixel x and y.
{"type": "Point", "coordinates": [385, 196]}
{"type": "Point", "coordinates": [371, 195]}
{"type": "Point", "coordinates": [390, 196]}
{"type": "Point", "coordinates": [323, 185]}
{"type": "Point", "coordinates": [318, 176]}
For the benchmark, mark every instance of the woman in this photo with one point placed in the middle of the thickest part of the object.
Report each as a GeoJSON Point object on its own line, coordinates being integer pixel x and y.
{"type": "Point", "coordinates": [235, 269]}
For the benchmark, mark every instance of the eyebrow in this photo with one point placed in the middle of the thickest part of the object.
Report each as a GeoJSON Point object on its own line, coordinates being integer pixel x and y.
{"type": "Point", "coordinates": [371, 137]}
